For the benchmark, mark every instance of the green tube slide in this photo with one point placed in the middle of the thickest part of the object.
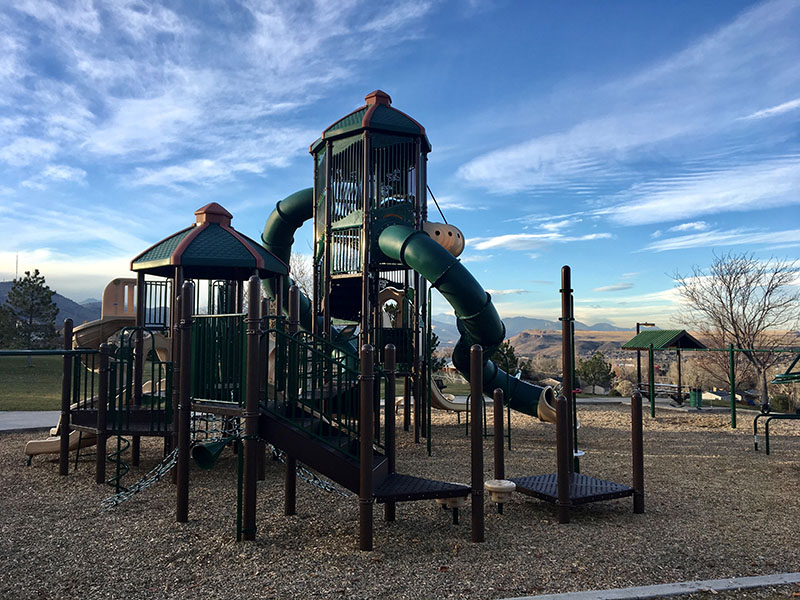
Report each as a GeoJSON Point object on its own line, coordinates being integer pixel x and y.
{"type": "Point", "coordinates": [477, 318]}
{"type": "Point", "coordinates": [278, 237]}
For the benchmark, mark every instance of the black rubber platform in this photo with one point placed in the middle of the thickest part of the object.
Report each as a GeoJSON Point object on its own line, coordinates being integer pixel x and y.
{"type": "Point", "coordinates": [406, 488]}
{"type": "Point", "coordinates": [582, 488]}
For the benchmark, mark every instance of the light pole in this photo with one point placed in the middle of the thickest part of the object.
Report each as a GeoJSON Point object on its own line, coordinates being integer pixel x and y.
{"type": "Point", "coordinates": [639, 356]}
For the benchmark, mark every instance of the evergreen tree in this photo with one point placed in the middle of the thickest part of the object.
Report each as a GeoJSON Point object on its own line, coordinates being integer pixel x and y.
{"type": "Point", "coordinates": [438, 362]}
{"type": "Point", "coordinates": [31, 305]}
{"type": "Point", "coordinates": [8, 330]}
{"type": "Point", "coordinates": [595, 371]}
{"type": "Point", "coordinates": [505, 358]}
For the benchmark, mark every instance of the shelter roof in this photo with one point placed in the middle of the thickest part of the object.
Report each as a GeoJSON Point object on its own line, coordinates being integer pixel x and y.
{"type": "Point", "coordinates": [377, 114]}
{"type": "Point", "coordinates": [663, 339]}
{"type": "Point", "coordinates": [209, 249]}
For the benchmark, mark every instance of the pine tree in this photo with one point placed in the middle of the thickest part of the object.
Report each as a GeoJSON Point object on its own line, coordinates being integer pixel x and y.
{"type": "Point", "coordinates": [595, 371]}
{"type": "Point", "coordinates": [8, 330]}
{"type": "Point", "coordinates": [30, 302]}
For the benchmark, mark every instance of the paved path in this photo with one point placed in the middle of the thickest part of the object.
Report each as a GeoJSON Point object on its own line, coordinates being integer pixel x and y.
{"type": "Point", "coordinates": [23, 420]}
{"type": "Point", "coordinates": [674, 589]}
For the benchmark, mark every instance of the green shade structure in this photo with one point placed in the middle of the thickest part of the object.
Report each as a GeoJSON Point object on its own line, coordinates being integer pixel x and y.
{"type": "Point", "coordinates": [663, 339]}
{"type": "Point", "coordinates": [209, 249]}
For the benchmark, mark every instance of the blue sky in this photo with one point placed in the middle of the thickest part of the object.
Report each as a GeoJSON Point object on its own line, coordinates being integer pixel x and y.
{"type": "Point", "coordinates": [626, 139]}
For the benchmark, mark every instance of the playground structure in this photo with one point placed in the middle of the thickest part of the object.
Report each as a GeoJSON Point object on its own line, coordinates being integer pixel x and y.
{"type": "Point", "coordinates": [306, 375]}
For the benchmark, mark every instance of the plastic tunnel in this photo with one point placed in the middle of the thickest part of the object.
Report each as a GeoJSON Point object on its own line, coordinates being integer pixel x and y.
{"type": "Point", "coordinates": [477, 318]}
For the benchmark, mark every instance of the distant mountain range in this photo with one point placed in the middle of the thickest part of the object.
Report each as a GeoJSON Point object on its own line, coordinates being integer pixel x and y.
{"type": "Point", "coordinates": [445, 327]}
{"type": "Point", "coordinates": [67, 309]}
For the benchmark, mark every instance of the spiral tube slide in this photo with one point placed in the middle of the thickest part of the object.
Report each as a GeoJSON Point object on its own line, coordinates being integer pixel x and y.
{"type": "Point", "coordinates": [278, 237]}
{"type": "Point", "coordinates": [477, 318]}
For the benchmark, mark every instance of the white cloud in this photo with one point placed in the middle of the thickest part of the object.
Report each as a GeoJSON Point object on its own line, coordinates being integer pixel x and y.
{"type": "Point", "coordinates": [617, 287]}
{"type": "Point", "coordinates": [528, 241]}
{"type": "Point", "coordinates": [512, 292]}
{"type": "Point", "coordinates": [732, 237]}
{"type": "Point", "coordinates": [696, 95]}
{"type": "Point", "coordinates": [26, 150]}
{"type": "Point", "coordinates": [767, 184]}
{"type": "Point", "coordinates": [693, 226]}
{"type": "Point", "coordinates": [775, 110]}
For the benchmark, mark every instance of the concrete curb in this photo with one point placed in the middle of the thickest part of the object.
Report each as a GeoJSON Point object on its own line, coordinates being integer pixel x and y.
{"type": "Point", "coordinates": [673, 589]}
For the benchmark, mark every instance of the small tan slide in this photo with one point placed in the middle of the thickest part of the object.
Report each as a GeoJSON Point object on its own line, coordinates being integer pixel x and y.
{"type": "Point", "coordinates": [52, 445]}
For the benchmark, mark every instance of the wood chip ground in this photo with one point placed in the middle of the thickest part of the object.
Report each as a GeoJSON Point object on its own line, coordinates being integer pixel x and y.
{"type": "Point", "coordinates": [714, 508]}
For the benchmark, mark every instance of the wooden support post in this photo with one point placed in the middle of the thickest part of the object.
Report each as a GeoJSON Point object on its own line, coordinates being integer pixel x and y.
{"type": "Point", "coordinates": [365, 499]}
{"type": "Point", "coordinates": [680, 383]}
{"type": "Point", "coordinates": [563, 452]}
{"type": "Point", "coordinates": [637, 450]}
{"type": "Point", "coordinates": [184, 402]}
{"type": "Point", "coordinates": [390, 366]}
{"type": "Point", "coordinates": [251, 409]}
{"type": "Point", "coordinates": [66, 395]}
{"type": "Point", "coordinates": [476, 439]}
{"type": "Point", "coordinates": [102, 416]}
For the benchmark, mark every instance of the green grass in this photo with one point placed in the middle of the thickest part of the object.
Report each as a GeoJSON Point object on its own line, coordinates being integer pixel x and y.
{"type": "Point", "coordinates": [35, 387]}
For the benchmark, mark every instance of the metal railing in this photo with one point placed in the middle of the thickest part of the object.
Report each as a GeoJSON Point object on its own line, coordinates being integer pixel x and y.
{"type": "Point", "coordinates": [218, 359]}
{"type": "Point", "coordinates": [313, 384]}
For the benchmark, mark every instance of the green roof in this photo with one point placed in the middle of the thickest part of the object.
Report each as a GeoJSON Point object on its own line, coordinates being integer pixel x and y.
{"type": "Point", "coordinates": [210, 249]}
{"type": "Point", "coordinates": [663, 339]}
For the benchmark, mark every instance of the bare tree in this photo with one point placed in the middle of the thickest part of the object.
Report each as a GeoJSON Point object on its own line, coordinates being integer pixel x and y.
{"type": "Point", "coordinates": [746, 302]}
{"type": "Point", "coordinates": [301, 270]}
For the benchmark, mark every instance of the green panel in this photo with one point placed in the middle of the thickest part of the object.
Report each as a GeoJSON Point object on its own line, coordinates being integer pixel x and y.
{"type": "Point", "coordinates": [348, 123]}
{"type": "Point", "coordinates": [381, 140]}
{"type": "Point", "coordinates": [163, 250]}
{"type": "Point", "coordinates": [386, 117]}
{"type": "Point", "coordinates": [338, 146]}
{"type": "Point", "coordinates": [662, 339]}
{"type": "Point", "coordinates": [215, 246]}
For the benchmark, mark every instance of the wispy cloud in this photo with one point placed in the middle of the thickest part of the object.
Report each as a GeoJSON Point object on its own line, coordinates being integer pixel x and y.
{"type": "Point", "coordinates": [528, 241]}
{"type": "Point", "coordinates": [775, 110]}
{"type": "Point", "coordinates": [766, 184]}
{"type": "Point", "coordinates": [693, 226]}
{"type": "Point", "coordinates": [689, 104]}
{"type": "Point", "coordinates": [512, 292]}
{"type": "Point", "coordinates": [731, 237]}
{"type": "Point", "coordinates": [617, 287]}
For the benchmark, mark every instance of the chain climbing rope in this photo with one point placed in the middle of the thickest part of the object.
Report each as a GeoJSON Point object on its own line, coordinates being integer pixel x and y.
{"type": "Point", "coordinates": [153, 476]}
{"type": "Point", "coordinates": [309, 476]}
{"type": "Point", "coordinates": [213, 431]}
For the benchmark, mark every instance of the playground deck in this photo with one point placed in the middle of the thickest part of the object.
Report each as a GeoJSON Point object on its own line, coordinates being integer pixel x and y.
{"type": "Point", "coordinates": [715, 508]}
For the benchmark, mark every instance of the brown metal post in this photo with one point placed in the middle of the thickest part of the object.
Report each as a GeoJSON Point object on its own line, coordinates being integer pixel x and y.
{"type": "Point", "coordinates": [567, 366]}
{"type": "Point", "coordinates": [390, 366]}
{"type": "Point", "coordinates": [407, 403]}
{"type": "Point", "coordinates": [138, 362]}
{"type": "Point", "coordinates": [476, 439]}
{"type": "Point", "coordinates": [365, 499]}
{"type": "Point", "coordinates": [290, 486]}
{"type": "Point", "coordinates": [294, 309]}
{"type": "Point", "coordinates": [102, 416]}
{"type": "Point", "coordinates": [564, 456]}
{"type": "Point", "coordinates": [66, 395]}
{"type": "Point", "coordinates": [251, 410]}
{"type": "Point", "coordinates": [637, 449]}
{"type": "Point", "coordinates": [499, 458]}
{"type": "Point", "coordinates": [263, 357]}
{"type": "Point", "coordinates": [184, 402]}
{"type": "Point", "coordinates": [680, 383]}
